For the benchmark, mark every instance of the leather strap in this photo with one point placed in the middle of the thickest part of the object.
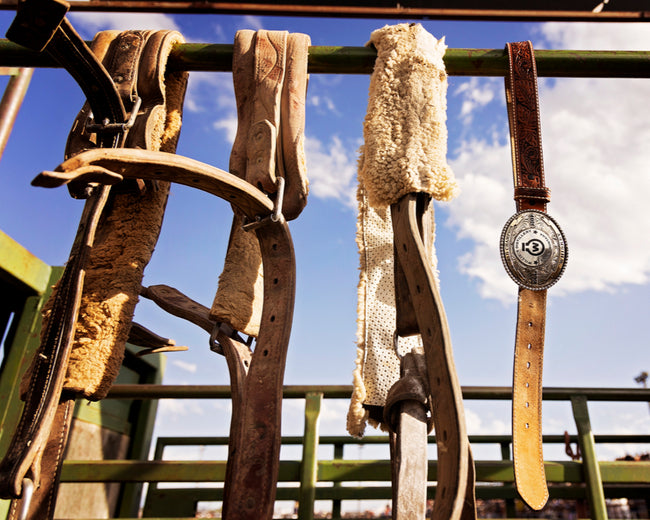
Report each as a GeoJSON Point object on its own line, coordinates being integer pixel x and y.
{"type": "Point", "coordinates": [444, 387]}
{"type": "Point", "coordinates": [530, 193]}
{"type": "Point", "coordinates": [255, 429]}
{"type": "Point", "coordinates": [29, 455]}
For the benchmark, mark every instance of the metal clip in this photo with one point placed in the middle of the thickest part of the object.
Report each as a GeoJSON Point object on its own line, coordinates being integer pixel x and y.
{"type": "Point", "coordinates": [115, 128]}
{"type": "Point", "coordinates": [276, 214]}
{"type": "Point", "coordinates": [28, 493]}
{"type": "Point", "coordinates": [215, 346]}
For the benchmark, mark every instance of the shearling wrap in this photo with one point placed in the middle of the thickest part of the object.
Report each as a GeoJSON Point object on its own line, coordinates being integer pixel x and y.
{"type": "Point", "coordinates": [404, 151]}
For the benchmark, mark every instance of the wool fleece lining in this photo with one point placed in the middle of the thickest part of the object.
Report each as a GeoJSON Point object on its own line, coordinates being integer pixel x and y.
{"type": "Point", "coordinates": [404, 151]}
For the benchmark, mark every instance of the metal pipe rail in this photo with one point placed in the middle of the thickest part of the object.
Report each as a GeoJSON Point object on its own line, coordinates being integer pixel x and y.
{"type": "Point", "coordinates": [499, 393]}
{"type": "Point", "coordinates": [360, 60]}
{"type": "Point", "coordinates": [591, 479]}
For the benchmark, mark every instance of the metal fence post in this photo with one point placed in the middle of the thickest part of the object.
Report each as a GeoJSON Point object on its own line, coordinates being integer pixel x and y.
{"type": "Point", "coordinates": [309, 465]}
{"type": "Point", "coordinates": [593, 479]}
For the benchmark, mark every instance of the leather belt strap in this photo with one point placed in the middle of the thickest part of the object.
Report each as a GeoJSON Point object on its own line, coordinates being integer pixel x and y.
{"type": "Point", "coordinates": [531, 241]}
{"type": "Point", "coordinates": [454, 493]}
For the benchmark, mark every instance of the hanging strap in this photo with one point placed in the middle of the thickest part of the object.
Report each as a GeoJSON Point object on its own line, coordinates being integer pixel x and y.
{"type": "Point", "coordinates": [23, 459]}
{"type": "Point", "coordinates": [533, 249]}
{"type": "Point", "coordinates": [44, 426]}
{"type": "Point", "coordinates": [455, 489]}
{"type": "Point", "coordinates": [270, 80]}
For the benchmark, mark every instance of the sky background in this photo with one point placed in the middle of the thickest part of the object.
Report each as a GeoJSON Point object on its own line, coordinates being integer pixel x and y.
{"type": "Point", "coordinates": [595, 135]}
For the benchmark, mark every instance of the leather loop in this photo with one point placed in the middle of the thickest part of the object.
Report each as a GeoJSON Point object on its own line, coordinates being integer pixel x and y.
{"type": "Point", "coordinates": [411, 386]}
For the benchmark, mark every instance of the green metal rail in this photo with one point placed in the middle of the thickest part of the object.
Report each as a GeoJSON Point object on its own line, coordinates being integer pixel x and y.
{"type": "Point", "coordinates": [360, 60]}
{"type": "Point", "coordinates": [311, 479]}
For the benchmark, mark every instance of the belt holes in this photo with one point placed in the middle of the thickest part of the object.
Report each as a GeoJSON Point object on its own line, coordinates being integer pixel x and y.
{"type": "Point", "coordinates": [527, 385]}
{"type": "Point", "coordinates": [527, 425]}
{"type": "Point", "coordinates": [404, 247]}
{"type": "Point", "coordinates": [265, 352]}
{"type": "Point", "coordinates": [530, 323]}
{"type": "Point", "coordinates": [428, 332]}
{"type": "Point", "coordinates": [417, 289]}
{"type": "Point", "coordinates": [274, 247]}
{"type": "Point", "coordinates": [444, 435]}
{"type": "Point", "coordinates": [272, 318]}
{"type": "Point", "coordinates": [275, 281]}
{"type": "Point", "coordinates": [438, 381]}
{"type": "Point", "coordinates": [527, 405]}
{"type": "Point", "coordinates": [528, 364]}
{"type": "Point", "coordinates": [530, 345]}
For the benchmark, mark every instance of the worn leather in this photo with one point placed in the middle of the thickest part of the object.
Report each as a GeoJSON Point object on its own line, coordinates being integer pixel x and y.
{"type": "Point", "coordinates": [455, 484]}
{"type": "Point", "coordinates": [24, 455]}
{"type": "Point", "coordinates": [530, 193]}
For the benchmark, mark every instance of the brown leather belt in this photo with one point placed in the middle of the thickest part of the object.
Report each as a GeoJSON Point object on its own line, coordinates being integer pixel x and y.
{"type": "Point", "coordinates": [534, 253]}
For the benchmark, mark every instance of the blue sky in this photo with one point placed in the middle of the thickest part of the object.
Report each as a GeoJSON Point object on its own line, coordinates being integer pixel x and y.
{"type": "Point", "coordinates": [595, 136]}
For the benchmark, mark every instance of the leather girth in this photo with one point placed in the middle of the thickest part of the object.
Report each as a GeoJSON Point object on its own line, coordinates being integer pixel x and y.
{"type": "Point", "coordinates": [530, 193]}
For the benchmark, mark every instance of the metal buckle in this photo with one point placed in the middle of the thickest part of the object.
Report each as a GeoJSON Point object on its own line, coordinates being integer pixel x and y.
{"type": "Point", "coordinates": [114, 128]}
{"type": "Point", "coordinates": [533, 249]}
{"type": "Point", "coordinates": [276, 214]}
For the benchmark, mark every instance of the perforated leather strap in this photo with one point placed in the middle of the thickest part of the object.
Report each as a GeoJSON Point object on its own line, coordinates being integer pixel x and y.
{"type": "Point", "coordinates": [530, 193]}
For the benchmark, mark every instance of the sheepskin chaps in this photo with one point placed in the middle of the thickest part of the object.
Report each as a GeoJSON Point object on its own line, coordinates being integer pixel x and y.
{"type": "Point", "coordinates": [404, 151]}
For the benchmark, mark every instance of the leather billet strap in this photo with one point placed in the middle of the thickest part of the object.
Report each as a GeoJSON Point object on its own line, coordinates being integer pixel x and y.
{"type": "Point", "coordinates": [534, 253]}
{"type": "Point", "coordinates": [455, 478]}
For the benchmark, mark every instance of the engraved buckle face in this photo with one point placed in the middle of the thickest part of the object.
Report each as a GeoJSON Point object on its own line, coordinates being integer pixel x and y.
{"type": "Point", "coordinates": [533, 249]}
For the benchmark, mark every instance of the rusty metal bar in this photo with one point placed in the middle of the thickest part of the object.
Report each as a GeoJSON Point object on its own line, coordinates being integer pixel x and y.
{"type": "Point", "coordinates": [11, 101]}
{"type": "Point", "coordinates": [313, 9]}
{"type": "Point", "coordinates": [360, 60]}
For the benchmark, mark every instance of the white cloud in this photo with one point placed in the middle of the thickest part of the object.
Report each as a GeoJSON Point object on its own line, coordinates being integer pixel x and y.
{"type": "Point", "coordinates": [184, 365]}
{"type": "Point", "coordinates": [597, 165]}
{"type": "Point", "coordinates": [475, 93]}
{"type": "Point", "coordinates": [323, 104]}
{"type": "Point", "coordinates": [332, 170]}
{"type": "Point", "coordinates": [252, 22]}
{"type": "Point", "coordinates": [229, 126]}
{"type": "Point", "coordinates": [94, 22]}
{"type": "Point", "coordinates": [601, 36]}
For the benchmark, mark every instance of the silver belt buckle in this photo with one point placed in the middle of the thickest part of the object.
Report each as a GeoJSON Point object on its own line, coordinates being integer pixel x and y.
{"type": "Point", "coordinates": [533, 249]}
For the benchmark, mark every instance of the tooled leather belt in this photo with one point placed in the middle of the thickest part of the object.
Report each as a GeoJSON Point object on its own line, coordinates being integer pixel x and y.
{"type": "Point", "coordinates": [534, 253]}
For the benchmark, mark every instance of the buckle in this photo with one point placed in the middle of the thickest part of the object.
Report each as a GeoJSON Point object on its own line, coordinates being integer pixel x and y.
{"type": "Point", "coordinates": [276, 214]}
{"type": "Point", "coordinates": [533, 249]}
{"type": "Point", "coordinates": [114, 128]}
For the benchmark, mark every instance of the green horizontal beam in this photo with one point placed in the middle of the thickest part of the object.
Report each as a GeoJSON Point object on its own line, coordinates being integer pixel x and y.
{"type": "Point", "coordinates": [345, 391]}
{"type": "Point", "coordinates": [330, 471]}
{"type": "Point", "coordinates": [383, 439]}
{"type": "Point", "coordinates": [484, 492]}
{"type": "Point", "coordinates": [21, 268]}
{"type": "Point", "coordinates": [360, 60]}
